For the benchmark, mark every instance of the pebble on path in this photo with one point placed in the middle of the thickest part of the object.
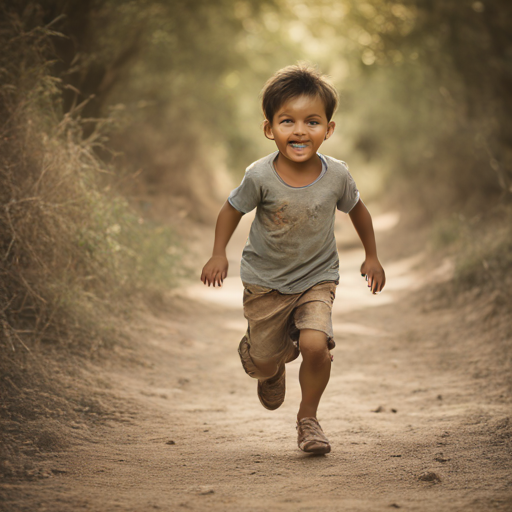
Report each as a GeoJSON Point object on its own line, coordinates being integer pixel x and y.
{"type": "Point", "coordinates": [429, 476]}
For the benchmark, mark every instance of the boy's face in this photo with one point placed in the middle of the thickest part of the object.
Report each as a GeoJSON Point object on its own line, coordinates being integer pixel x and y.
{"type": "Point", "coordinates": [299, 127]}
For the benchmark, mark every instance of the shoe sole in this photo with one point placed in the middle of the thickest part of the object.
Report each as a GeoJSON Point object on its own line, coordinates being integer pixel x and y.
{"type": "Point", "coordinates": [319, 450]}
{"type": "Point", "coordinates": [272, 406]}
{"type": "Point", "coordinates": [267, 405]}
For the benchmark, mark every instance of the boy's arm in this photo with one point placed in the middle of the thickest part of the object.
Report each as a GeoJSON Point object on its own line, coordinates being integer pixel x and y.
{"type": "Point", "coordinates": [216, 269]}
{"type": "Point", "coordinates": [371, 267]}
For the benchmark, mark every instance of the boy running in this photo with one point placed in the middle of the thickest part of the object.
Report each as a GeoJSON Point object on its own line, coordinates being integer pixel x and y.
{"type": "Point", "coordinates": [290, 262]}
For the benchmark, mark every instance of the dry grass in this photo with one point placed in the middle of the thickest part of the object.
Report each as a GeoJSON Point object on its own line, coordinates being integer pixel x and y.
{"type": "Point", "coordinates": [482, 249]}
{"type": "Point", "coordinates": [72, 254]}
{"type": "Point", "coordinates": [485, 256]}
{"type": "Point", "coordinates": [75, 259]}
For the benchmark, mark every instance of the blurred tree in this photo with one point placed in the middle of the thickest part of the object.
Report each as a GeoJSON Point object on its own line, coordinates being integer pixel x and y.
{"type": "Point", "coordinates": [177, 72]}
{"type": "Point", "coordinates": [430, 93]}
{"type": "Point", "coordinates": [426, 84]}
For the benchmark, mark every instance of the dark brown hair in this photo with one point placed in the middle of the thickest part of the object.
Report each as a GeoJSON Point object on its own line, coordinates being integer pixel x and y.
{"type": "Point", "coordinates": [293, 81]}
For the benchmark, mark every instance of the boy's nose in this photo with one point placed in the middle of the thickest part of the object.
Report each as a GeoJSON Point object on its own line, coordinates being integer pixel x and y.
{"type": "Point", "coordinates": [299, 128]}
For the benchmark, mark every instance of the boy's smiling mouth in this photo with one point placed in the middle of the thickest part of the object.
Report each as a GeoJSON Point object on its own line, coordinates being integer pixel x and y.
{"type": "Point", "coordinates": [298, 145]}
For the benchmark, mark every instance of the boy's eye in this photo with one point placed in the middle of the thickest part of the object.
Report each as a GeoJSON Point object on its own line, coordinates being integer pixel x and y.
{"type": "Point", "coordinates": [286, 121]}
{"type": "Point", "coordinates": [314, 123]}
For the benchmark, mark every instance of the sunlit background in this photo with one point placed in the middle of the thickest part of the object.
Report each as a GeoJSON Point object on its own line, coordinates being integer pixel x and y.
{"type": "Point", "coordinates": [124, 120]}
{"type": "Point", "coordinates": [425, 88]}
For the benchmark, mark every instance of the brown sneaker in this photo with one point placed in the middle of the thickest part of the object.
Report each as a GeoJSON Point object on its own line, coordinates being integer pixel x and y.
{"type": "Point", "coordinates": [310, 436]}
{"type": "Point", "coordinates": [271, 391]}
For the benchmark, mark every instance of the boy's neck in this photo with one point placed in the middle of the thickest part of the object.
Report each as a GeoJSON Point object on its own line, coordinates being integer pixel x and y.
{"type": "Point", "coordinates": [298, 174]}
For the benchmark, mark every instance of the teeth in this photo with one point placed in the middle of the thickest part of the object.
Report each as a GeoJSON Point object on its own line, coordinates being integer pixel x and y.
{"type": "Point", "coordinates": [297, 145]}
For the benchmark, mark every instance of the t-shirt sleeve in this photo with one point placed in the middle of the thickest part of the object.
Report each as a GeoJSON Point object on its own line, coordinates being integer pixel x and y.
{"type": "Point", "coordinates": [350, 195]}
{"type": "Point", "coordinates": [246, 196]}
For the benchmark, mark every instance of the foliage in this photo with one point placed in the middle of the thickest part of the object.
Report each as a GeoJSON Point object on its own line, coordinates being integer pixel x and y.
{"type": "Point", "coordinates": [484, 258]}
{"type": "Point", "coordinates": [425, 85]}
{"type": "Point", "coordinates": [71, 253]}
{"type": "Point", "coordinates": [183, 71]}
{"type": "Point", "coordinates": [430, 96]}
{"type": "Point", "coordinates": [425, 94]}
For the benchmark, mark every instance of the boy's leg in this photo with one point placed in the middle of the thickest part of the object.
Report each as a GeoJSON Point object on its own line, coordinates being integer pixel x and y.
{"type": "Point", "coordinates": [263, 369]}
{"type": "Point", "coordinates": [267, 346]}
{"type": "Point", "coordinates": [315, 370]}
{"type": "Point", "coordinates": [313, 376]}
{"type": "Point", "coordinates": [270, 373]}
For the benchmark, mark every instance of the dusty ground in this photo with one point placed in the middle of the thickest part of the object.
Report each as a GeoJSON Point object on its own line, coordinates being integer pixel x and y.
{"type": "Point", "coordinates": [417, 410]}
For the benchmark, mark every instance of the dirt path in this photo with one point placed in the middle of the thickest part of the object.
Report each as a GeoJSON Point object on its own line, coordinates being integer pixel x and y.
{"type": "Point", "coordinates": [411, 425]}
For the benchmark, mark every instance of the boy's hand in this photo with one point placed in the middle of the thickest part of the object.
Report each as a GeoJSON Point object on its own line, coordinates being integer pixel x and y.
{"type": "Point", "coordinates": [372, 270]}
{"type": "Point", "coordinates": [215, 271]}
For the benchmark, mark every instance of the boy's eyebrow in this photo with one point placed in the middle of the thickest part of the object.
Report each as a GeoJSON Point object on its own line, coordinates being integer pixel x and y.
{"type": "Point", "coordinates": [285, 114]}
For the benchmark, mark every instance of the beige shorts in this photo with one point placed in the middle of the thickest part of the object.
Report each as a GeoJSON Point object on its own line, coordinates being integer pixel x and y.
{"type": "Point", "coordinates": [276, 319]}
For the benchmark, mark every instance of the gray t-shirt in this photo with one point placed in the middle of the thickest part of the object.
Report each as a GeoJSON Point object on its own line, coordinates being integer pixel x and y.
{"type": "Point", "coordinates": [291, 245]}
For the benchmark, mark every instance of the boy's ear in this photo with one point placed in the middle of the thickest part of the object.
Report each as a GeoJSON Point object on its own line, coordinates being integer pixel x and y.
{"type": "Point", "coordinates": [267, 129]}
{"type": "Point", "coordinates": [330, 129]}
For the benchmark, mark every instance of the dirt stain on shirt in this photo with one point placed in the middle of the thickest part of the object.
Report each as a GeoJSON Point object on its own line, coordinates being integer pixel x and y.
{"type": "Point", "coordinates": [279, 217]}
{"type": "Point", "coordinates": [279, 220]}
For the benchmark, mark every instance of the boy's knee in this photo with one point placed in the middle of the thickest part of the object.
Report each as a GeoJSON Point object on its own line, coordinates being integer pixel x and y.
{"type": "Point", "coordinates": [258, 369]}
{"type": "Point", "coordinates": [314, 346]}
{"type": "Point", "coordinates": [266, 370]}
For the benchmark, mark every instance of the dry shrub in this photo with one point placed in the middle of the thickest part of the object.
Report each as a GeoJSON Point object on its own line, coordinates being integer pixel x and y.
{"type": "Point", "coordinates": [72, 255]}
{"type": "Point", "coordinates": [482, 249]}
{"type": "Point", "coordinates": [485, 257]}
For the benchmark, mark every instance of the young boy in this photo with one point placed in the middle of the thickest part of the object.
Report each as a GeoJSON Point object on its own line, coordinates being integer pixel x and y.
{"type": "Point", "coordinates": [290, 262]}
